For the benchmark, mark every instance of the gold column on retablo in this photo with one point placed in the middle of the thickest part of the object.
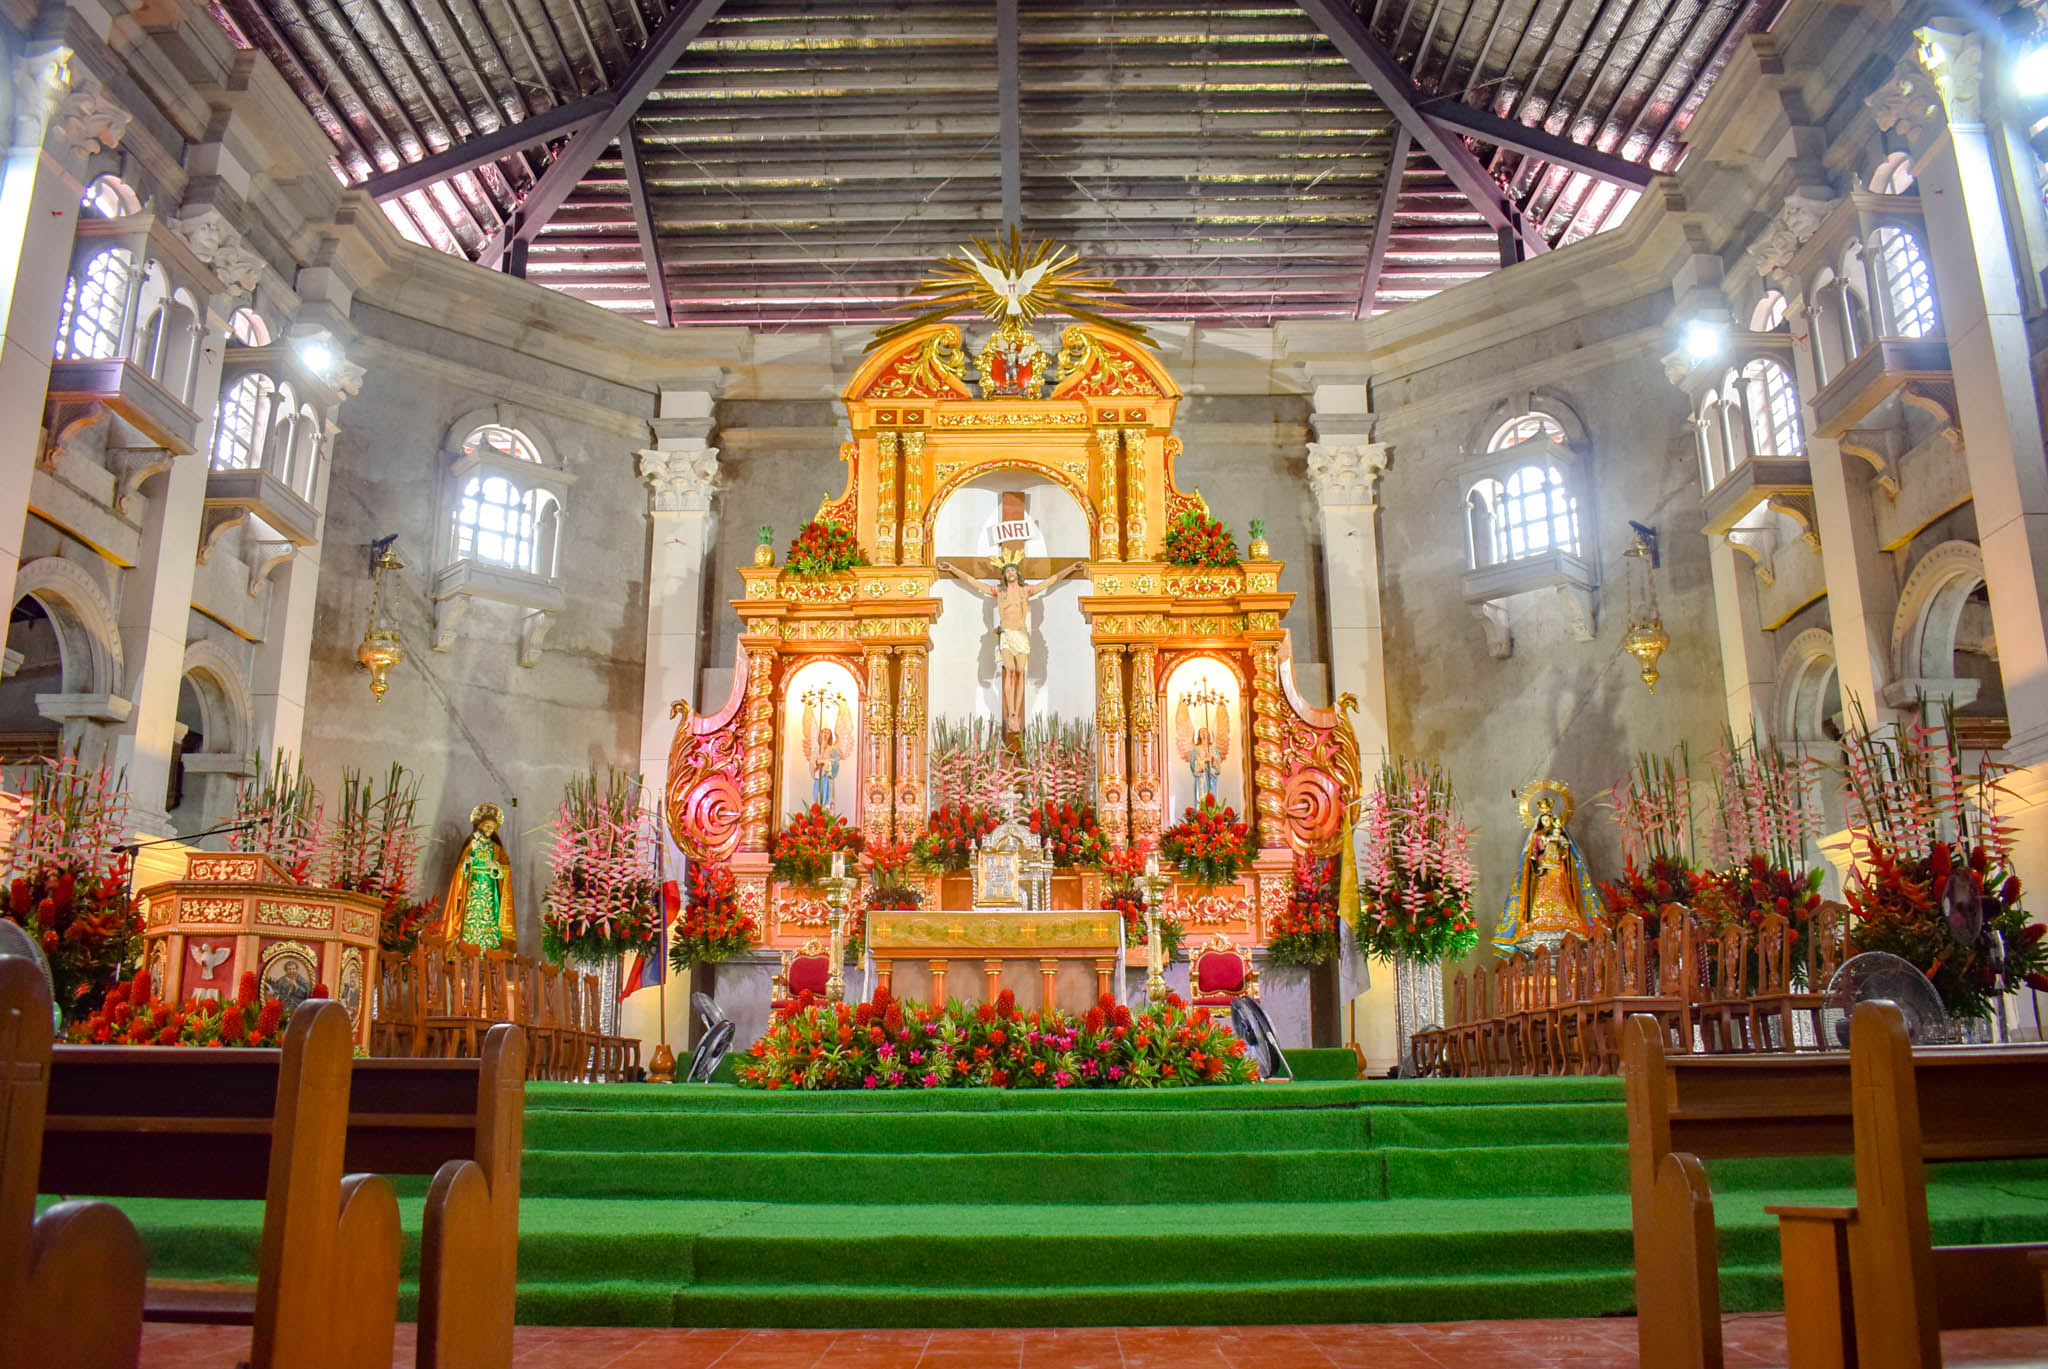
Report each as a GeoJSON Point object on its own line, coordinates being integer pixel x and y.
{"type": "Point", "coordinates": [879, 749]}
{"type": "Point", "coordinates": [1145, 742]}
{"type": "Point", "coordinates": [1111, 794]}
{"type": "Point", "coordinates": [913, 498]}
{"type": "Point", "coordinates": [910, 741]}
{"type": "Point", "coordinates": [885, 497]}
{"type": "Point", "coordinates": [1108, 471]}
{"type": "Point", "coordinates": [757, 776]}
{"type": "Point", "coordinates": [1134, 494]}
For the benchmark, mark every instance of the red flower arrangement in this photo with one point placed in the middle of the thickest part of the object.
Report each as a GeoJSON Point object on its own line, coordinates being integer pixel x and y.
{"type": "Point", "coordinates": [130, 1017]}
{"type": "Point", "coordinates": [1070, 833]}
{"type": "Point", "coordinates": [823, 546]}
{"type": "Point", "coordinates": [1209, 844]}
{"type": "Point", "coordinates": [803, 848]}
{"type": "Point", "coordinates": [889, 867]}
{"type": "Point", "coordinates": [950, 834]}
{"type": "Point", "coordinates": [712, 926]}
{"type": "Point", "coordinates": [602, 902]}
{"type": "Point", "coordinates": [1122, 868]}
{"type": "Point", "coordinates": [67, 884]}
{"type": "Point", "coordinates": [1668, 880]}
{"type": "Point", "coordinates": [889, 1044]}
{"type": "Point", "coordinates": [399, 930]}
{"type": "Point", "coordinates": [1196, 539]}
{"type": "Point", "coordinates": [1415, 872]}
{"type": "Point", "coordinates": [1305, 932]}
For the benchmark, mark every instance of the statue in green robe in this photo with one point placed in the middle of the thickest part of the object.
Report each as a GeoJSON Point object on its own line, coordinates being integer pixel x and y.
{"type": "Point", "coordinates": [478, 908]}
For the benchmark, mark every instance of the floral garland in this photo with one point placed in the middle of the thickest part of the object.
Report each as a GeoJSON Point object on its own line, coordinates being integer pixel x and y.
{"type": "Point", "coordinates": [1415, 872]}
{"type": "Point", "coordinates": [1070, 833]}
{"type": "Point", "coordinates": [1122, 868]}
{"type": "Point", "coordinates": [1209, 845]}
{"type": "Point", "coordinates": [67, 881]}
{"type": "Point", "coordinates": [1305, 931]}
{"type": "Point", "coordinates": [602, 902]}
{"type": "Point", "coordinates": [712, 926]}
{"type": "Point", "coordinates": [1196, 539]}
{"type": "Point", "coordinates": [889, 1044]}
{"type": "Point", "coordinates": [950, 834]}
{"type": "Point", "coordinates": [823, 546]}
{"type": "Point", "coordinates": [804, 847]}
{"type": "Point", "coordinates": [130, 1017]}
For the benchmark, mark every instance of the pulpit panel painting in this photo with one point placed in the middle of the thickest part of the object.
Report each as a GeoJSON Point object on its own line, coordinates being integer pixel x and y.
{"type": "Point", "coordinates": [979, 523]}
{"type": "Point", "coordinates": [1204, 709]}
{"type": "Point", "coordinates": [821, 739]}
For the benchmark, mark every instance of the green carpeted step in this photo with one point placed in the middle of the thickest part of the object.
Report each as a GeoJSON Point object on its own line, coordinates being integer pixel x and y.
{"type": "Point", "coordinates": [1504, 1171]}
{"type": "Point", "coordinates": [998, 1177]}
{"type": "Point", "coordinates": [1334, 1128]}
{"type": "Point", "coordinates": [1309, 1062]}
{"type": "Point", "coordinates": [1498, 1123]}
{"type": "Point", "coordinates": [1280, 1094]}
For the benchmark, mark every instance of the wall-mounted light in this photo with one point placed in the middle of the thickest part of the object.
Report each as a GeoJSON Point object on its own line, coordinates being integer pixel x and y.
{"type": "Point", "coordinates": [1705, 340]}
{"type": "Point", "coordinates": [381, 649]}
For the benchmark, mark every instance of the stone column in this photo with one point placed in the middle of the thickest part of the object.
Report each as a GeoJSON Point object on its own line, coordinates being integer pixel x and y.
{"type": "Point", "coordinates": [1982, 305]}
{"type": "Point", "coordinates": [1747, 666]}
{"type": "Point", "coordinates": [277, 693]}
{"type": "Point", "coordinates": [878, 748]}
{"type": "Point", "coordinates": [1112, 785]}
{"type": "Point", "coordinates": [1147, 783]}
{"type": "Point", "coordinates": [61, 117]}
{"type": "Point", "coordinates": [681, 480]}
{"type": "Point", "coordinates": [1345, 479]}
{"type": "Point", "coordinates": [1861, 595]}
{"type": "Point", "coordinates": [911, 663]}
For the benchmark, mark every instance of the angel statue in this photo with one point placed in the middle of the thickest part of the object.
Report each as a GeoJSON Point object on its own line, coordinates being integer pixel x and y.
{"type": "Point", "coordinates": [1553, 893]}
{"type": "Point", "coordinates": [827, 718]}
{"type": "Point", "coordinates": [1013, 622]}
{"type": "Point", "coordinates": [1206, 746]}
{"type": "Point", "coordinates": [478, 908]}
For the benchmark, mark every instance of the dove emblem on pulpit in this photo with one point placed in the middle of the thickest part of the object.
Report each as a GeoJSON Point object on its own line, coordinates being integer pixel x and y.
{"type": "Point", "coordinates": [209, 957]}
{"type": "Point", "coordinates": [1011, 289]}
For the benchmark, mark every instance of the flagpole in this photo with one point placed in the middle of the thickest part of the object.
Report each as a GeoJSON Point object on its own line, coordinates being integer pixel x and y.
{"type": "Point", "coordinates": [662, 1068]}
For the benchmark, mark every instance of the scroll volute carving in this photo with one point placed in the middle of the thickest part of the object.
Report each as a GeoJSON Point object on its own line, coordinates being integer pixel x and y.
{"type": "Point", "coordinates": [706, 763]}
{"type": "Point", "coordinates": [1321, 767]}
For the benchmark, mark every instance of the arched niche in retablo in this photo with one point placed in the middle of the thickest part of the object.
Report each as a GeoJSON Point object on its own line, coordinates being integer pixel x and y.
{"type": "Point", "coordinates": [965, 679]}
{"type": "Point", "coordinates": [826, 693]}
{"type": "Point", "coordinates": [994, 470]}
{"type": "Point", "coordinates": [1187, 678]}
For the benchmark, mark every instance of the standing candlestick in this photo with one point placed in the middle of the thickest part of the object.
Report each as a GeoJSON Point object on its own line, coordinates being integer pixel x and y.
{"type": "Point", "coordinates": [1155, 949]}
{"type": "Point", "coordinates": [837, 888]}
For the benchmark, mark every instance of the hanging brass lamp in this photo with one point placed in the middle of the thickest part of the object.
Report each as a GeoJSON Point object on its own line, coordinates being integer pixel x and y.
{"type": "Point", "coordinates": [381, 648]}
{"type": "Point", "coordinates": [1646, 639]}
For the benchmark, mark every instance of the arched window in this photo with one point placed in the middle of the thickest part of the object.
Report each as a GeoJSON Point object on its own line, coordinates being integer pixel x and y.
{"type": "Point", "coordinates": [90, 324]}
{"type": "Point", "coordinates": [109, 197]}
{"type": "Point", "coordinates": [241, 423]}
{"type": "Point", "coordinates": [495, 437]}
{"type": "Point", "coordinates": [1537, 514]}
{"type": "Point", "coordinates": [1769, 315]}
{"type": "Point", "coordinates": [1909, 285]}
{"type": "Point", "coordinates": [498, 522]}
{"type": "Point", "coordinates": [1894, 175]}
{"type": "Point", "coordinates": [1525, 428]}
{"type": "Point", "coordinates": [247, 327]}
{"type": "Point", "coordinates": [1773, 407]}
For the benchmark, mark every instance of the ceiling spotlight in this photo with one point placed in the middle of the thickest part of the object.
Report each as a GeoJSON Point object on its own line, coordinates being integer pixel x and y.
{"type": "Point", "coordinates": [1704, 340]}
{"type": "Point", "coordinates": [2030, 72]}
{"type": "Point", "coordinates": [317, 354]}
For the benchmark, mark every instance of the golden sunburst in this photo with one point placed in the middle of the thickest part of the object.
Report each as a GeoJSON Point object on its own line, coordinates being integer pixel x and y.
{"type": "Point", "coordinates": [1013, 280]}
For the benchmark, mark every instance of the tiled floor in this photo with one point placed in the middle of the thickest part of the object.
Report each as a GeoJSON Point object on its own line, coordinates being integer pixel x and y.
{"type": "Point", "coordinates": [1751, 1341]}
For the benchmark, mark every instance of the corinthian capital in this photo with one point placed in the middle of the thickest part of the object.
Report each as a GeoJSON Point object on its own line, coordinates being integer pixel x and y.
{"type": "Point", "coordinates": [87, 121]}
{"type": "Point", "coordinates": [681, 482]}
{"type": "Point", "coordinates": [1954, 57]}
{"type": "Point", "coordinates": [1345, 475]}
{"type": "Point", "coordinates": [1907, 103]}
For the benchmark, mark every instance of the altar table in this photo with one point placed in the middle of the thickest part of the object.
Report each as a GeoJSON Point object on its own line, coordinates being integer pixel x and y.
{"type": "Point", "coordinates": [995, 937]}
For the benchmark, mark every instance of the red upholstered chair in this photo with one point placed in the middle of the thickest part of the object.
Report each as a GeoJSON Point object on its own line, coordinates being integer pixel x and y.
{"type": "Point", "coordinates": [1220, 971]}
{"type": "Point", "coordinates": [804, 970]}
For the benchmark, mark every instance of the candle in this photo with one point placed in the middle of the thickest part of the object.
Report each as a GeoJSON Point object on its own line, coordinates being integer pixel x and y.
{"type": "Point", "coordinates": [1151, 864]}
{"type": "Point", "coordinates": [839, 865]}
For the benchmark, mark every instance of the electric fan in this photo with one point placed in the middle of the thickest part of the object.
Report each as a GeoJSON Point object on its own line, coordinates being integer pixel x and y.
{"type": "Point", "coordinates": [16, 943]}
{"type": "Point", "coordinates": [1878, 974]}
{"type": "Point", "coordinates": [1255, 1029]}
{"type": "Point", "coordinates": [713, 1045]}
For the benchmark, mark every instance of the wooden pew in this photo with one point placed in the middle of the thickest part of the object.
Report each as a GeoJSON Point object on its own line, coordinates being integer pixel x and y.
{"type": "Point", "coordinates": [1683, 1109]}
{"type": "Point", "coordinates": [1877, 1291]}
{"type": "Point", "coordinates": [70, 1280]}
{"type": "Point", "coordinates": [199, 1126]}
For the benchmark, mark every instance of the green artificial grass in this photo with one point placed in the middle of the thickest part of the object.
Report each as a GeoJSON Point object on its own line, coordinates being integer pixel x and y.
{"type": "Point", "coordinates": [1349, 1200]}
{"type": "Point", "coordinates": [1311, 1062]}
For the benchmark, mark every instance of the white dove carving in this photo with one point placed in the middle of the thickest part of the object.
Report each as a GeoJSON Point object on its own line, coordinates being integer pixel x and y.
{"type": "Point", "coordinates": [209, 957]}
{"type": "Point", "coordinates": [1013, 290]}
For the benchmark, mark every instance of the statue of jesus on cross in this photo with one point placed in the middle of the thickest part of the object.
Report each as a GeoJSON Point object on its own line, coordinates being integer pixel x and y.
{"type": "Point", "coordinates": [1013, 622]}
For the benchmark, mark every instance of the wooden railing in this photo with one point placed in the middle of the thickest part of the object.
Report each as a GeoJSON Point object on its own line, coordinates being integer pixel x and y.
{"type": "Point", "coordinates": [442, 999]}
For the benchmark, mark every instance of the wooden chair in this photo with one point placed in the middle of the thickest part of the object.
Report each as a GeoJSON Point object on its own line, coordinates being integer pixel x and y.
{"type": "Point", "coordinates": [1769, 1027]}
{"type": "Point", "coordinates": [1493, 1045]}
{"type": "Point", "coordinates": [399, 1027]}
{"type": "Point", "coordinates": [1872, 1288]}
{"type": "Point", "coordinates": [1220, 972]}
{"type": "Point", "coordinates": [1595, 998]}
{"type": "Point", "coordinates": [1463, 1037]}
{"type": "Point", "coordinates": [1657, 989]}
{"type": "Point", "coordinates": [1827, 936]}
{"type": "Point", "coordinates": [166, 1122]}
{"type": "Point", "coordinates": [1722, 1008]}
{"type": "Point", "coordinates": [556, 1044]}
{"type": "Point", "coordinates": [71, 1280]}
{"type": "Point", "coordinates": [1561, 1019]}
{"type": "Point", "coordinates": [453, 982]}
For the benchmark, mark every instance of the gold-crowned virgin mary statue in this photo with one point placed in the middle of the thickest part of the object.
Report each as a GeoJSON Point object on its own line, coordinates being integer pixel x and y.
{"type": "Point", "coordinates": [1553, 892]}
{"type": "Point", "coordinates": [478, 908]}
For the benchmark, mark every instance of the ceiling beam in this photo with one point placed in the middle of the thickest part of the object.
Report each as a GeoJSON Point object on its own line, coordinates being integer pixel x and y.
{"type": "Point", "coordinates": [650, 248]}
{"type": "Point", "coordinates": [1489, 127]}
{"type": "Point", "coordinates": [574, 161]}
{"type": "Point", "coordinates": [1342, 25]}
{"type": "Point", "coordinates": [1383, 223]}
{"type": "Point", "coordinates": [1009, 104]}
{"type": "Point", "coordinates": [471, 153]}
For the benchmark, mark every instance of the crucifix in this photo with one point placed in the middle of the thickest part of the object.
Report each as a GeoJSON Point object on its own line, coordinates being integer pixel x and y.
{"type": "Point", "coordinates": [1013, 602]}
